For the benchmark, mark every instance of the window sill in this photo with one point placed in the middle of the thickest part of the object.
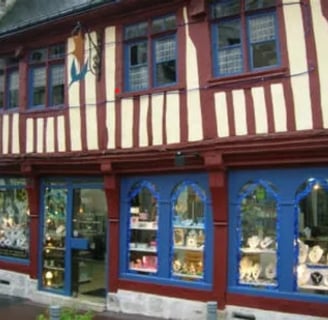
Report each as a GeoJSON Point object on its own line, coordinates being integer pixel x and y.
{"type": "Point", "coordinates": [250, 78]}
{"type": "Point", "coordinates": [160, 90]}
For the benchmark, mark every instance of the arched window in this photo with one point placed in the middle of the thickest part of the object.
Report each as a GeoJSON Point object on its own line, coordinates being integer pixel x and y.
{"type": "Point", "coordinates": [311, 215]}
{"type": "Point", "coordinates": [188, 232]}
{"type": "Point", "coordinates": [257, 234]}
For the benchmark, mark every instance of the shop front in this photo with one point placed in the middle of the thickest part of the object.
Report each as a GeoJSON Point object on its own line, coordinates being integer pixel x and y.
{"type": "Point", "coordinates": [278, 238]}
{"type": "Point", "coordinates": [73, 237]}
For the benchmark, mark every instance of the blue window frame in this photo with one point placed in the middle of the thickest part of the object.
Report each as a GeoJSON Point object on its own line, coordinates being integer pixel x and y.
{"type": "Point", "coordinates": [150, 54]}
{"type": "Point", "coordinates": [166, 230]}
{"type": "Point", "coordinates": [244, 36]}
{"type": "Point", "coordinates": [9, 83]}
{"type": "Point", "coordinates": [47, 77]}
{"type": "Point", "coordinates": [294, 203]}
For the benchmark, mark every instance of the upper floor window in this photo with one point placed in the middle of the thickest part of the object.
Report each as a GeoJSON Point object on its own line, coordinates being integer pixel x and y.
{"type": "Point", "coordinates": [9, 83]}
{"type": "Point", "coordinates": [150, 54]}
{"type": "Point", "coordinates": [245, 36]}
{"type": "Point", "coordinates": [47, 66]}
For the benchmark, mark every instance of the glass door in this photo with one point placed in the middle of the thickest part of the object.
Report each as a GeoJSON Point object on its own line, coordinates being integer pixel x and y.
{"type": "Point", "coordinates": [73, 247]}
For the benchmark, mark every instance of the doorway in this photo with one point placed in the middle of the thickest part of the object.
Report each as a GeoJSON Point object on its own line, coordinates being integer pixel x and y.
{"type": "Point", "coordinates": [73, 238]}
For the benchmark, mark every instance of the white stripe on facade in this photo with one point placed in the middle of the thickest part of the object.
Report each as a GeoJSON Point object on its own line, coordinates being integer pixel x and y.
{"type": "Point", "coordinates": [50, 137]}
{"type": "Point", "coordinates": [239, 109]}
{"type": "Point", "coordinates": [195, 126]}
{"type": "Point", "coordinates": [279, 108]}
{"type": "Point", "coordinates": [260, 111]}
{"type": "Point", "coordinates": [90, 96]}
{"type": "Point", "coordinates": [143, 125]}
{"type": "Point", "coordinates": [39, 135]}
{"type": "Point", "coordinates": [157, 106]}
{"type": "Point", "coordinates": [61, 138]}
{"type": "Point", "coordinates": [15, 133]}
{"type": "Point", "coordinates": [73, 102]}
{"type": "Point", "coordinates": [221, 113]}
{"type": "Point", "coordinates": [5, 134]}
{"type": "Point", "coordinates": [172, 117]}
{"type": "Point", "coordinates": [127, 123]}
{"type": "Point", "coordinates": [29, 135]}
{"type": "Point", "coordinates": [296, 48]}
{"type": "Point", "coordinates": [110, 62]}
{"type": "Point", "coordinates": [320, 27]}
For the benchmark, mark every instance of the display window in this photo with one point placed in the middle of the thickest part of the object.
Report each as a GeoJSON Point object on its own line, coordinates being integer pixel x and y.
{"type": "Point", "coordinates": [258, 235]}
{"type": "Point", "coordinates": [166, 229]}
{"type": "Point", "coordinates": [312, 240]}
{"type": "Point", "coordinates": [14, 217]}
{"type": "Point", "coordinates": [278, 233]}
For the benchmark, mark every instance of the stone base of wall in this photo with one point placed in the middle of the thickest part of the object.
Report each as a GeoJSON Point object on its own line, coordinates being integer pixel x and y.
{"type": "Point", "coordinates": [21, 285]}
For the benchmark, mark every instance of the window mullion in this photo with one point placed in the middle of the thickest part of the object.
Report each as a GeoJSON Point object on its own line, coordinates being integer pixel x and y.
{"type": "Point", "coordinates": [244, 37]}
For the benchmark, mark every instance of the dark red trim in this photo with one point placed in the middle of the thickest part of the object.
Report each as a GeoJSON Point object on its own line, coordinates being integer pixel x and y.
{"type": "Point", "coordinates": [324, 8]}
{"type": "Point", "coordinates": [280, 305]}
{"type": "Point", "coordinates": [55, 134]}
{"type": "Point", "coordinates": [82, 107]}
{"type": "Point", "coordinates": [269, 108]}
{"type": "Point", "coordinates": [136, 122]}
{"type": "Point", "coordinates": [10, 133]}
{"type": "Point", "coordinates": [165, 120]}
{"type": "Point", "coordinates": [45, 125]}
{"type": "Point", "coordinates": [312, 62]}
{"type": "Point", "coordinates": [231, 114]}
{"type": "Point", "coordinates": [101, 99]}
{"type": "Point", "coordinates": [35, 134]}
{"type": "Point", "coordinates": [21, 268]}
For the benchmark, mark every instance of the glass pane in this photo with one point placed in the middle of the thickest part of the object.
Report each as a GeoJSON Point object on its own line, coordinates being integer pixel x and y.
{"type": "Point", "coordinates": [264, 54]}
{"type": "Point", "coordinates": [13, 89]}
{"type": "Point", "coordinates": [188, 232]}
{"type": "Point", "coordinates": [143, 228]}
{"type": "Point", "coordinates": [229, 34]}
{"type": "Point", "coordinates": [165, 61]}
{"type": "Point", "coordinates": [230, 61]}
{"type": "Point", "coordinates": [138, 78]}
{"type": "Point", "coordinates": [223, 8]}
{"type": "Point", "coordinates": [89, 224]}
{"type": "Point", "coordinates": [57, 51]}
{"type": "Point", "coordinates": [38, 55]}
{"type": "Point", "coordinates": [54, 238]}
{"type": "Point", "coordinates": [163, 24]}
{"type": "Point", "coordinates": [39, 83]}
{"type": "Point", "coordinates": [312, 216]}
{"type": "Point", "coordinates": [14, 227]}
{"type": "Point", "coordinates": [138, 54]}
{"type": "Point", "coordinates": [256, 4]}
{"type": "Point", "coordinates": [136, 30]}
{"type": "Point", "coordinates": [258, 236]}
{"type": "Point", "coordinates": [262, 28]}
{"type": "Point", "coordinates": [57, 82]}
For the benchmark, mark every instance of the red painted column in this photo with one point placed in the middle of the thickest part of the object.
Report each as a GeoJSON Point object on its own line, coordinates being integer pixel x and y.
{"type": "Point", "coordinates": [113, 203]}
{"type": "Point", "coordinates": [33, 194]}
{"type": "Point", "coordinates": [219, 193]}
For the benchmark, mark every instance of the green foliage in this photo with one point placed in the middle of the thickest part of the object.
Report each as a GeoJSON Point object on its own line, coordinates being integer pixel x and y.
{"type": "Point", "coordinates": [68, 314]}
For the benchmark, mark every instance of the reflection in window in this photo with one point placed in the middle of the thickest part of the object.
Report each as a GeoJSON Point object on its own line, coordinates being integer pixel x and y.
{"type": "Point", "coordinates": [258, 234]}
{"type": "Point", "coordinates": [312, 221]}
{"type": "Point", "coordinates": [188, 234]}
{"type": "Point", "coordinates": [14, 227]}
{"type": "Point", "coordinates": [143, 229]}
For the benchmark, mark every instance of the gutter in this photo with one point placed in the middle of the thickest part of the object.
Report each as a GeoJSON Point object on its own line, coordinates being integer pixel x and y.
{"type": "Point", "coordinates": [68, 13]}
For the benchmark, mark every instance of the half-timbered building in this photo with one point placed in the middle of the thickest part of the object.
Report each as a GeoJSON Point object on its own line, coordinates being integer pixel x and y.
{"type": "Point", "coordinates": [166, 158]}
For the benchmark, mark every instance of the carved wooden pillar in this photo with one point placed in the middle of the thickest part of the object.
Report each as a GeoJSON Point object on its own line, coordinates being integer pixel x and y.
{"type": "Point", "coordinates": [33, 194]}
{"type": "Point", "coordinates": [112, 191]}
{"type": "Point", "coordinates": [219, 193]}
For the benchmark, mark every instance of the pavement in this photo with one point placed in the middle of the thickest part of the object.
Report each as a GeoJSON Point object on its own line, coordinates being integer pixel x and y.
{"type": "Point", "coordinates": [15, 308]}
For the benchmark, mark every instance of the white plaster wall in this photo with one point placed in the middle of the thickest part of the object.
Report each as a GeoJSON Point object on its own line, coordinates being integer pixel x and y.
{"type": "Point", "coordinates": [260, 111]}
{"type": "Point", "coordinates": [143, 131]}
{"type": "Point", "coordinates": [239, 109]}
{"type": "Point", "coordinates": [221, 112]}
{"type": "Point", "coordinates": [172, 117]}
{"type": "Point", "coordinates": [127, 122]}
{"type": "Point", "coordinates": [157, 106]}
{"type": "Point", "coordinates": [279, 108]}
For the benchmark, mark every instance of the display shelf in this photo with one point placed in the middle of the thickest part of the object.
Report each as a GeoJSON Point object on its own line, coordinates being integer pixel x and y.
{"type": "Point", "coordinates": [188, 226]}
{"type": "Point", "coordinates": [53, 268]}
{"type": "Point", "coordinates": [148, 249]}
{"type": "Point", "coordinates": [143, 226]}
{"type": "Point", "coordinates": [201, 248]}
{"type": "Point", "coordinates": [257, 250]}
{"type": "Point", "coordinates": [313, 287]}
{"type": "Point", "coordinates": [189, 276]}
{"type": "Point", "coordinates": [260, 283]}
{"type": "Point", "coordinates": [148, 270]}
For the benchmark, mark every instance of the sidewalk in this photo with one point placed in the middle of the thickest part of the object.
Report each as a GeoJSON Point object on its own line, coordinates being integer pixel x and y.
{"type": "Point", "coordinates": [15, 308]}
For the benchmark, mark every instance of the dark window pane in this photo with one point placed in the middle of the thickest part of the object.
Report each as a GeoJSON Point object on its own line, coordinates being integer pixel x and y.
{"type": "Point", "coordinates": [57, 85]}
{"type": "Point", "coordinates": [138, 54]}
{"type": "Point", "coordinates": [38, 55]}
{"type": "Point", "coordinates": [136, 30]}
{"type": "Point", "coordinates": [2, 90]}
{"type": "Point", "coordinates": [39, 89]}
{"type": "Point", "coordinates": [163, 24]}
{"type": "Point", "coordinates": [165, 73]}
{"type": "Point", "coordinates": [57, 52]}
{"type": "Point", "coordinates": [264, 54]}
{"type": "Point", "coordinates": [225, 8]}
{"type": "Point", "coordinates": [256, 4]}
{"type": "Point", "coordinates": [13, 89]}
{"type": "Point", "coordinates": [229, 33]}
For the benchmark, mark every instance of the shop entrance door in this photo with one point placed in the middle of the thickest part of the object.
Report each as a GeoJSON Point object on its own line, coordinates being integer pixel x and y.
{"type": "Point", "coordinates": [73, 259]}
